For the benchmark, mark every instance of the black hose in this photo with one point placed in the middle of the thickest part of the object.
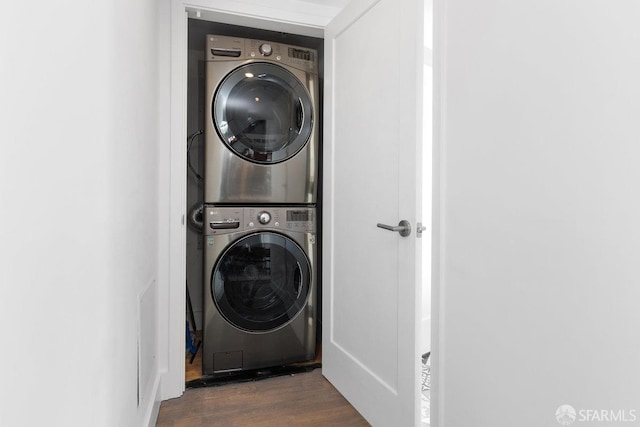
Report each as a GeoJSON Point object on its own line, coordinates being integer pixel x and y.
{"type": "Point", "coordinates": [190, 142]}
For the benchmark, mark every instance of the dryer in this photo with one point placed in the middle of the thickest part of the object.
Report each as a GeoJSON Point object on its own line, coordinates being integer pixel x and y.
{"type": "Point", "coordinates": [261, 118]}
{"type": "Point", "coordinates": [260, 285]}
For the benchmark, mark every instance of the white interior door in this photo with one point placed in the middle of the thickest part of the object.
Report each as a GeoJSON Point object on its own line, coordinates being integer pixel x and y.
{"type": "Point", "coordinates": [372, 139]}
{"type": "Point", "coordinates": [538, 273]}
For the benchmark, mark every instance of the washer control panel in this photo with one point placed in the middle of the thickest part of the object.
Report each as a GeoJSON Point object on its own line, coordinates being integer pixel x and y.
{"type": "Point", "coordinates": [225, 220]}
{"type": "Point", "coordinates": [299, 219]}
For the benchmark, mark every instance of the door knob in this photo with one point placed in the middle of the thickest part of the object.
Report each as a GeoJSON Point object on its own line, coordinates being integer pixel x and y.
{"type": "Point", "coordinates": [403, 227]}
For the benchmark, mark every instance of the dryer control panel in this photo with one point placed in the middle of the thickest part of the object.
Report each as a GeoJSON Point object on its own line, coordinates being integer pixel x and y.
{"type": "Point", "coordinates": [225, 48]}
{"type": "Point", "coordinates": [225, 220]}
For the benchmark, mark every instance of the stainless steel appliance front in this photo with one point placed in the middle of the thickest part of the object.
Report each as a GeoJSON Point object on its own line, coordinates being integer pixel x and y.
{"type": "Point", "coordinates": [260, 285]}
{"type": "Point", "coordinates": [261, 122]}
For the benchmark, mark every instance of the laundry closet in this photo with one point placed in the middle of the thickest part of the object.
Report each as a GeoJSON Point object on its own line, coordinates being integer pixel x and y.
{"type": "Point", "coordinates": [254, 198]}
{"type": "Point", "coordinates": [371, 145]}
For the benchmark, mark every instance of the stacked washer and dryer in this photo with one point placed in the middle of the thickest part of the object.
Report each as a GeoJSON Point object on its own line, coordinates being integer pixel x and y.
{"type": "Point", "coordinates": [261, 172]}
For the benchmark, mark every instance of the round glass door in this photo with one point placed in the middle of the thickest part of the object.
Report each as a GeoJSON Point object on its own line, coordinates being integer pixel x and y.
{"type": "Point", "coordinates": [261, 282]}
{"type": "Point", "coordinates": [263, 113]}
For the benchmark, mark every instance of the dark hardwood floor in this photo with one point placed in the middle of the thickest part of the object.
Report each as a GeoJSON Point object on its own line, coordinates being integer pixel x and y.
{"type": "Point", "coordinates": [305, 399]}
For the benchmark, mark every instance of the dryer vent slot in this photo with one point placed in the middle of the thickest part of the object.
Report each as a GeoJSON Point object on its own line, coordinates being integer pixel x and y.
{"type": "Point", "coordinates": [233, 53]}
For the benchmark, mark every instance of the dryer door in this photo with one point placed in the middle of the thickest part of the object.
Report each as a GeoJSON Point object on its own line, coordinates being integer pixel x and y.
{"type": "Point", "coordinates": [263, 113]}
{"type": "Point", "coordinates": [261, 282]}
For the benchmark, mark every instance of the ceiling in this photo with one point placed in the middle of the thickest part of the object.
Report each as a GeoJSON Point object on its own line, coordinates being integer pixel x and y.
{"type": "Point", "coordinates": [305, 17]}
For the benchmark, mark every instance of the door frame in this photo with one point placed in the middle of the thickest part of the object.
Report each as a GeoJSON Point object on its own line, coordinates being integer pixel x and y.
{"type": "Point", "coordinates": [437, 214]}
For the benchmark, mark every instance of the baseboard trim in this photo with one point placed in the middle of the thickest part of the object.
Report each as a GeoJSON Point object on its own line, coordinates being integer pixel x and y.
{"type": "Point", "coordinates": [153, 404]}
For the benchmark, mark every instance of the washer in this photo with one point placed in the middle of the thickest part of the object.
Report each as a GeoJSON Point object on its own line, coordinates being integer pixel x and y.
{"type": "Point", "coordinates": [262, 122]}
{"type": "Point", "coordinates": [260, 285]}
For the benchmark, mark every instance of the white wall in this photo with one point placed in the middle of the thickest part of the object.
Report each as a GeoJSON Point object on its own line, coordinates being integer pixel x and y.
{"type": "Point", "coordinates": [78, 212]}
{"type": "Point", "coordinates": [135, 149]}
{"type": "Point", "coordinates": [539, 237]}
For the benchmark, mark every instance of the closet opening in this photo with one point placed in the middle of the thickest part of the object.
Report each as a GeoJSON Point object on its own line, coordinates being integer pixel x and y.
{"type": "Point", "coordinates": [253, 203]}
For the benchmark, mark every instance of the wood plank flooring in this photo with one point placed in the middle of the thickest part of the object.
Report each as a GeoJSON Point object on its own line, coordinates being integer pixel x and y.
{"type": "Point", "coordinates": [306, 399]}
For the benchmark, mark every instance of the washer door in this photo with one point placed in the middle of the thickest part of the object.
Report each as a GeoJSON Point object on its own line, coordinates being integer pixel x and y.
{"type": "Point", "coordinates": [263, 113]}
{"type": "Point", "coordinates": [261, 282]}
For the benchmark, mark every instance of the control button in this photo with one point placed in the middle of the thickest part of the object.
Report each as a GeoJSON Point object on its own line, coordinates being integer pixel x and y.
{"type": "Point", "coordinates": [266, 49]}
{"type": "Point", "coordinates": [251, 224]}
{"type": "Point", "coordinates": [278, 57]}
{"type": "Point", "coordinates": [264, 217]}
{"type": "Point", "coordinates": [253, 54]}
{"type": "Point", "coordinates": [277, 224]}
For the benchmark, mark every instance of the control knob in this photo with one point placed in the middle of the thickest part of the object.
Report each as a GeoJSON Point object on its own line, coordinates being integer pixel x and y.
{"type": "Point", "coordinates": [264, 218]}
{"type": "Point", "coordinates": [266, 49]}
